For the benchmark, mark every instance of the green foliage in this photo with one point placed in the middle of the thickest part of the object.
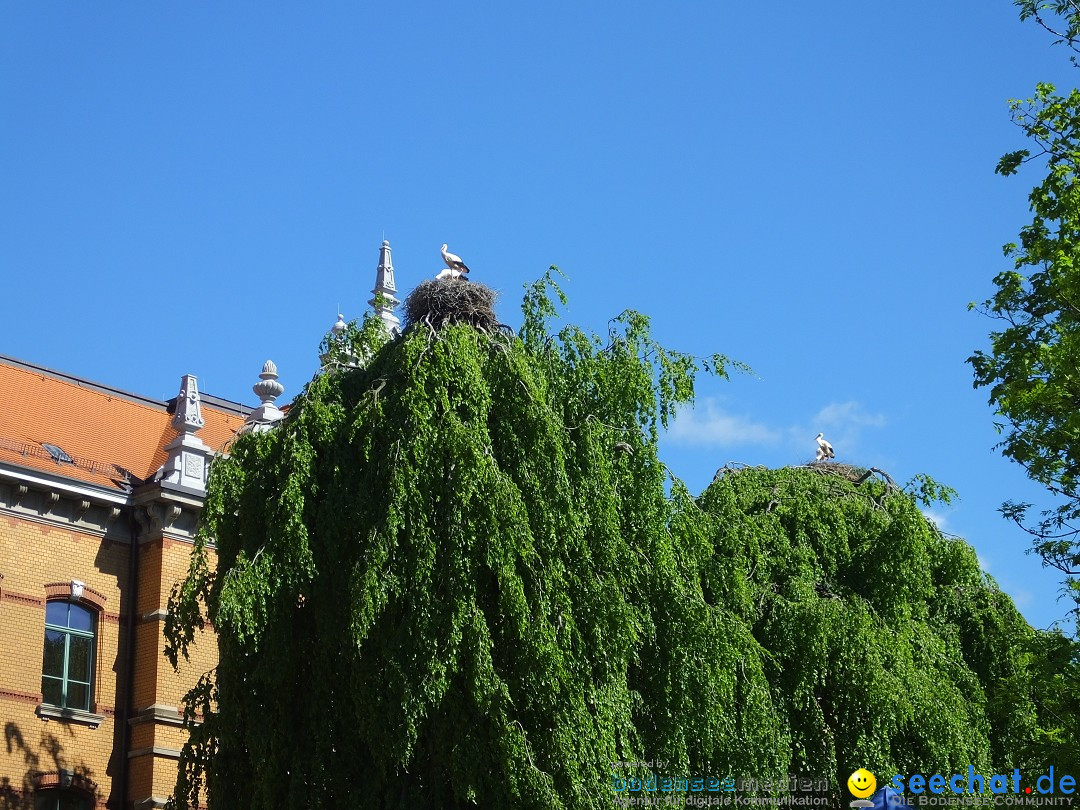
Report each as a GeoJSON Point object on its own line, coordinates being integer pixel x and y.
{"type": "Point", "coordinates": [450, 572]}
{"type": "Point", "coordinates": [925, 490]}
{"type": "Point", "coordinates": [454, 577]}
{"type": "Point", "coordinates": [1031, 368]}
{"type": "Point", "coordinates": [1034, 384]}
{"type": "Point", "coordinates": [886, 645]}
{"type": "Point", "coordinates": [1054, 661]}
{"type": "Point", "coordinates": [1060, 17]}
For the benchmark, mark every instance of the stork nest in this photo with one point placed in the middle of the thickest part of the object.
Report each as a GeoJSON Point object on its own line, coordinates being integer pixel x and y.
{"type": "Point", "coordinates": [441, 302]}
{"type": "Point", "coordinates": [849, 472]}
{"type": "Point", "coordinates": [855, 475]}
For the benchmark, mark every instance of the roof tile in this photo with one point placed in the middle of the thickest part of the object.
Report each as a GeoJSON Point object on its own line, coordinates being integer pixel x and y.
{"type": "Point", "coordinates": [105, 432]}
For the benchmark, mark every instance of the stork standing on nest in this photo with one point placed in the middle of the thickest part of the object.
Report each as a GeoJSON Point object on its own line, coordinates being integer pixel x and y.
{"type": "Point", "coordinates": [455, 266]}
{"type": "Point", "coordinates": [824, 449]}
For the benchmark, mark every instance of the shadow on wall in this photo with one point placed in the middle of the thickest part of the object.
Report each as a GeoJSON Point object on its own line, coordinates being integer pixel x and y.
{"type": "Point", "coordinates": [115, 566]}
{"type": "Point", "coordinates": [45, 766]}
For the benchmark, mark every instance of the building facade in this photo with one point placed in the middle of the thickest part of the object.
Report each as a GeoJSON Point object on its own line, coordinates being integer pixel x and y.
{"type": "Point", "coordinates": [100, 494]}
{"type": "Point", "coordinates": [100, 491]}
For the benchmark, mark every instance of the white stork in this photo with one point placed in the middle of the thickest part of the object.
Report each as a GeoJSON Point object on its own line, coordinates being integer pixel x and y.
{"type": "Point", "coordinates": [824, 449]}
{"type": "Point", "coordinates": [454, 263]}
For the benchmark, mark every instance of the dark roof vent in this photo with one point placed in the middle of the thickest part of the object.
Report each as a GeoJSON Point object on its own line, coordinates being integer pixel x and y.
{"type": "Point", "coordinates": [58, 454]}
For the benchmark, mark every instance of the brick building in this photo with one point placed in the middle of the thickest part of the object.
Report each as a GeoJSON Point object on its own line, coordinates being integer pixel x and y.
{"type": "Point", "coordinates": [100, 492]}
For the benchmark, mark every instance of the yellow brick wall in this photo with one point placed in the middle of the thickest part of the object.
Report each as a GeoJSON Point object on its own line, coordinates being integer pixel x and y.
{"type": "Point", "coordinates": [31, 555]}
{"type": "Point", "coordinates": [162, 564]}
{"type": "Point", "coordinates": [171, 686]}
{"type": "Point", "coordinates": [34, 553]}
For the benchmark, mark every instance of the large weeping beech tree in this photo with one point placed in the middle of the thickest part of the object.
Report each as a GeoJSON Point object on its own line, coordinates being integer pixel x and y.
{"type": "Point", "coordinates": [886, 646]}
{"type": "Point", "coordinates": [457, 575]}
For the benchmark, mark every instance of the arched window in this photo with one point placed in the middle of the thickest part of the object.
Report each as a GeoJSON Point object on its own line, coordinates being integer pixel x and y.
{"type": "Point", "coordinates": [68, 665]}
{"type": "Point", "coordinates": [60, 800]}
{"type": "Point", "coordinates": [63, 790]}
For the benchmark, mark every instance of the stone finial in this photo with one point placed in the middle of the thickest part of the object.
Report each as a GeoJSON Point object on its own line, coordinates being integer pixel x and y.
{"type": "Point", "coordinates": [188, 416]}
{"type": "Point", "coordinates": [335, 337]}
{"type": "Point", "coordinates": [385, 299]}
{"type": "Point", "coordinates": [189, 456]}
{"type": "Point", "coordinates": [268, 389]}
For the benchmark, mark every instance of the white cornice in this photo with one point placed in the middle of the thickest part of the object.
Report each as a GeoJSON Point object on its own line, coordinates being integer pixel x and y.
{"type": "Point", "coordinates": [56, 483]}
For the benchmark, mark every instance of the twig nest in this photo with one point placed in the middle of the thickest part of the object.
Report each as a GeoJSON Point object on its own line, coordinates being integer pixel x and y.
{"type": "Point", "coordinates": [848, 471]}
{"type": "Point", "coordinates": [440, 302]}
{"type": "Point", "coordinates": [855, 475]}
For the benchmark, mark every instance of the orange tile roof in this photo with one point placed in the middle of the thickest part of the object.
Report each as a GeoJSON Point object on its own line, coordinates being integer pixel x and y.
{"type": "Point", "coordinates": [105, 431]}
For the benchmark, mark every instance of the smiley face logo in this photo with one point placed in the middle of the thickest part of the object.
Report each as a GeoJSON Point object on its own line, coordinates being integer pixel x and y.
{"type": "Point", "coordinates": [861, 783]}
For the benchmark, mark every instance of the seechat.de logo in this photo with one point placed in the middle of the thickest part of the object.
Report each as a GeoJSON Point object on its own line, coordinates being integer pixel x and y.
{"type": "Point", "coordinates": [862, 784]}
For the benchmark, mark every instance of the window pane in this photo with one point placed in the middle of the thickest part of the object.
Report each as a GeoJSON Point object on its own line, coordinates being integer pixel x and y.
{"type": "Point", "coordinates": [79, 658]}
{"type": "Point", "coordinates": [52, 691]}
{"type": "Point", "coordinates": [56, 613]}
{"type": "Point", "coordinates": [59, 800]}
{"type": "Point", "coordinates": [53, 662]}
{"type": "Point", "coordinates": [81, 619]}
{"type": "Point", "coordinates": [78, 696]}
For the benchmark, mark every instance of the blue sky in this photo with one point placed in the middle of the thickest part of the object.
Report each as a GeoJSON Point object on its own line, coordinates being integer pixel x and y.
{"type": "Point", "coordinates": [808, 188]}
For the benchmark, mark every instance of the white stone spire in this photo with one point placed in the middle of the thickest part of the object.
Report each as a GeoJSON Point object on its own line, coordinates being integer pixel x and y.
{"type": "Point", "coordinates": [188, 455]}
{"type": "Point", "coordinates": [188, 416]}
{"type": "Point", "coordinates": [268, 389]}
{"type": "Point", "coordinates": [384, 286]}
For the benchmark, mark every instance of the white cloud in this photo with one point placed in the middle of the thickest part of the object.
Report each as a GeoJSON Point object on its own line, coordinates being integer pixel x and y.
{"type": "Point", "coordinates": [842, 423]}
{"type": "Point", "coordinates": [847, 416]}
{"type": "Point", "coordinates": [710, 424]}
{"type": "Point", "coordinates": [939, 520]}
